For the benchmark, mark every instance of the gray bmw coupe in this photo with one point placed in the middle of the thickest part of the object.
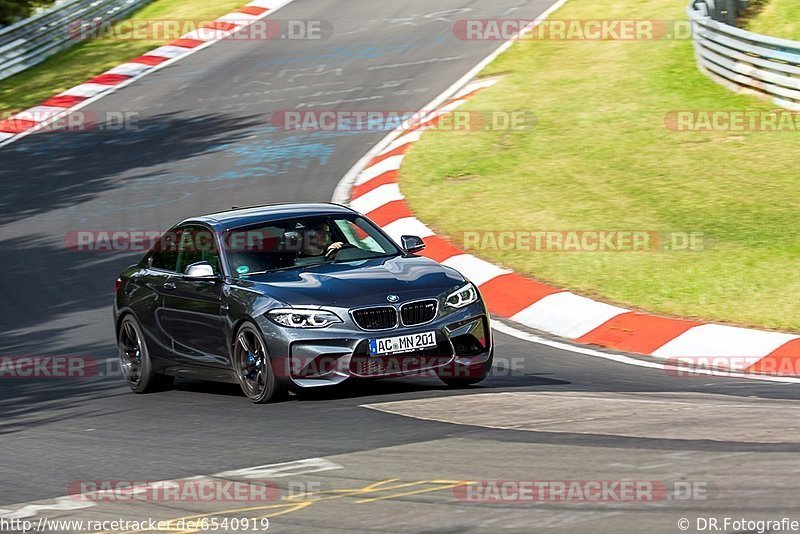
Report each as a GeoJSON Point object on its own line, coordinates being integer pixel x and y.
{"type": "Point", "coordinates": [295, 296]}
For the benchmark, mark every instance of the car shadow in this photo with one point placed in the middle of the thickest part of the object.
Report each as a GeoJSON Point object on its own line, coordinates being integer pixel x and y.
{"type": "Point", "coordinates": [421, 386]}
{"type": "Point", "coordinates": [29, 403]}
{"type": "Point", "coordinates": [67, 168]}
{"type": "Point", "coordinates": [385, 387]}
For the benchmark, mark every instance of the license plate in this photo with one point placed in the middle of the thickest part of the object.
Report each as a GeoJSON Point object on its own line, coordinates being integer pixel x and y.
{"type": "Point", "coordinates": [407, 343]}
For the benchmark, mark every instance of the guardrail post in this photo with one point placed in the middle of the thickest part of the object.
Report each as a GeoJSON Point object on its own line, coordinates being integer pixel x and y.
{"type": "Point", "coordinates": [743, 61]}
{"type": "Point", "coordinates": [729, 12]}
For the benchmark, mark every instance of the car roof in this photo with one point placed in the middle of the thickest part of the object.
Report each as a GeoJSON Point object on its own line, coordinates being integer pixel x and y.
{"type": "Point", "coordinates": [246, 216]}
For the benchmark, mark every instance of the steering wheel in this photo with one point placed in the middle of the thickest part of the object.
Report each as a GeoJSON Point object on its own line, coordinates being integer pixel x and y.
{"type": "Point", "coordinates": [331, 254]}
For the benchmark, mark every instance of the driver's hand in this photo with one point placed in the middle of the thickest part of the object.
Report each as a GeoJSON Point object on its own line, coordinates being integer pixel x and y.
{"type": "Point", "coordinates": [335, 246]}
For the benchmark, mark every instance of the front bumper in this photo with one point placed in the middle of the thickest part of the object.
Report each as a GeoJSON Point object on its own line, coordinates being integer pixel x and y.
{"type": "Point", "coordinates": [328, 356]}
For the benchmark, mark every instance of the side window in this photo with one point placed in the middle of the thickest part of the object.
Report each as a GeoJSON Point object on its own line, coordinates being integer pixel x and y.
{"type": "Point", "coordinates": [165, 254]}
{"type": "Point", "coordinates": [196, 243]}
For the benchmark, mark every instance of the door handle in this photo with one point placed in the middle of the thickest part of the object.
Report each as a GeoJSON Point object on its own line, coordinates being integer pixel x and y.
{"type": "Point", "coordinates": [169, 285]}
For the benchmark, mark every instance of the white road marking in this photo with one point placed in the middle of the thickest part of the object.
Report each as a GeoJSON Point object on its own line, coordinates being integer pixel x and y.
{"type": "Point", "coordinates": [391, 163]}
{"type": "Point", "coordinates": [59, 504]}
{"type": "Point", "coordinates": [567, 314]}
{"type": "Point", "coordinates": [38, 113]}
{"type": "Point", "coordinates": [168, 51]}
{"type": "Point", "coordinates": [407, 226]}
{"type": "Point", "coordinates": [269, 471]}
{"type": "Point", "coordinates": [525, 336]}
{"type": "Point", "coordinates": [376, 198]}
{"type": "Point", "coordinates": [411, 137]}
{"type": "Point", "coordinates": [414, 63]}
{"type": "Point", "coordinates": [296, 468]}
{"type": "Point", "coordinates": [478, 271]}
{"type": "Point", "coordinates": [744, 345]}
{"type": "Point", "coordinates": [87, 90]}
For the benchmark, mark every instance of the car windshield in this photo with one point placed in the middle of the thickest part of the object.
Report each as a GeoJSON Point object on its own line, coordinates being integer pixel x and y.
{"type": "Point", "coordinates": [303, 243]}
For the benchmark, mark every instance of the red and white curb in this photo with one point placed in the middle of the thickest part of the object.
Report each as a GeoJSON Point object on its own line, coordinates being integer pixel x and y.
{"type": "Point", "coordinates": [374, 191]}
{"type": "Point", "coordinates": [60, 105]}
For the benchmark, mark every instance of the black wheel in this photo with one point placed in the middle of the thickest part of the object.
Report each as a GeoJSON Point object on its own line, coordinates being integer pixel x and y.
{"type": "Point", "coordinates": [461, 376]}
{"type": "Point", "coordinates": [135, 359]}
{"type": "Point", "coordinates": [253, 367]}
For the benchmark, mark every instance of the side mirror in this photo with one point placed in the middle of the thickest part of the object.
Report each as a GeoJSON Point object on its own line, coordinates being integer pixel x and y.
{"type": "Point", "coordinates": [202, 270]}
{"type": "Point", "coordinates": [412, 243]}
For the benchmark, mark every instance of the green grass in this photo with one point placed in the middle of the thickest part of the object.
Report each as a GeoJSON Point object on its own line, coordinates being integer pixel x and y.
{"type": "Point", "coordinates": [600, 157]}
{"type": "Point", "coordinates": [779, 18]}
{"type": "Point", "coordinates": [75, 65]}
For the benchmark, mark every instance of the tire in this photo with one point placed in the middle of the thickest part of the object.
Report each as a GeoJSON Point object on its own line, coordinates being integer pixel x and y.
{"type": "Point", "coordinates": [253, 368]}
{"type": "Point", "coordinates": [461, 376]}
{"type": "Point", "coordinates": [137, 368]}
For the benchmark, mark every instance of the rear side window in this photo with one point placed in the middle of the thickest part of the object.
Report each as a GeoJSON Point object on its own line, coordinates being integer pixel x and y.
{"type": "Point", "coordinates": [196, 243]}
{"type": "Point", "coordinates": [165, 253]}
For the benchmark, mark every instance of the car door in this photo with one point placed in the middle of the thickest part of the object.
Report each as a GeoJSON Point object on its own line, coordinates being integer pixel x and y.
{"type": "Point", "coordinates": [193, 308]}
{"type": "Point", "coordinates": [156, 281]}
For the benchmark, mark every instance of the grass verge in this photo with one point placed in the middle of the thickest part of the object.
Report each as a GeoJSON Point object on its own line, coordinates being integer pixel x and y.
{"type": "Point", "coordinates": [779, 18]}
{"type": "Point", "coordinates": [601, 158]}
{"type": "Point", "coordinates": [79, 63]}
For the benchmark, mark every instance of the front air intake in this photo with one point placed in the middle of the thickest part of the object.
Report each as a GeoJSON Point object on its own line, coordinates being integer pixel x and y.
{"type": "Point", "coordinates": [377, 318]}
{"type": "Point", "coordinates": [420, 312]}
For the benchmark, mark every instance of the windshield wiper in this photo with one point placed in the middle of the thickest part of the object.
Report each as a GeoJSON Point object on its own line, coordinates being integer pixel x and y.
{"type": "Point", "coordinates": [288, 268]}
{"type": "Point", "coordinates": [324, 262]}
{"type": "Point", "coordinates": [387, 255]}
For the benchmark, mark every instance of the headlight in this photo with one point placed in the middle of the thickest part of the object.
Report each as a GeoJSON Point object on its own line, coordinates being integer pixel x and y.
{"type": "Point", "coordinates": [303, 318]}
{"type": "Point", "coordinates": [463, 296]}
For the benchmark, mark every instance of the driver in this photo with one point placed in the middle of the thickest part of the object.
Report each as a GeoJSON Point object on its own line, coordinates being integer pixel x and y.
{"type": "Point", "coordinates": [316, 241]}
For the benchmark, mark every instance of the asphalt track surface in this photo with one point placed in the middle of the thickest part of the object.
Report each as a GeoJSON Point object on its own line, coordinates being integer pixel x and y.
{"type": "Point", "coordinates": [204, 143]}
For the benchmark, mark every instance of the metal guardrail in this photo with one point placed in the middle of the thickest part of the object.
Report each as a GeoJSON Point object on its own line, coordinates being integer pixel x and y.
{"type": "Point", "coordinates": [31, 41]}
{"type": "Point", "coordinates": [727, 11]}
{"type": "Point", "coordinates": [745, 61]}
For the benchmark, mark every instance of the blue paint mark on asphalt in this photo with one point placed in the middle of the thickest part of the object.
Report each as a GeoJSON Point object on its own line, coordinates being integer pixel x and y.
{"type": "Point", "coordinates": [287, 149]}
{"type": "Point", "coordinates": [257, 155]}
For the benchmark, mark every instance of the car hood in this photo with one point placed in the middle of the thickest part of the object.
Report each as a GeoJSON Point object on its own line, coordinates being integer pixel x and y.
{"type": "Point", "coordinates": [359, 283]}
